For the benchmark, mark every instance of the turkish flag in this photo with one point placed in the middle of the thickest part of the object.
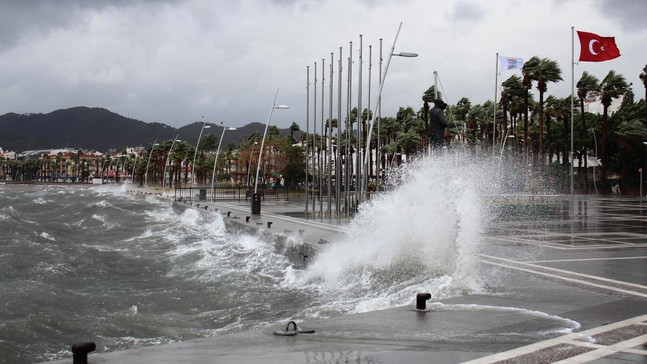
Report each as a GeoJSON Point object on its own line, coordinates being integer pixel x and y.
{"type": "Point", "coordinates": [595, 48]}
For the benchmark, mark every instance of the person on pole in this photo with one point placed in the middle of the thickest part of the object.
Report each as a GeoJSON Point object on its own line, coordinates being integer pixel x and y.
{"type": "Point", "coordinates": [437, 124]}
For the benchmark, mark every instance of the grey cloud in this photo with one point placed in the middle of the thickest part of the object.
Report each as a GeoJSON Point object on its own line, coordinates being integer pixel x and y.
{"type": "Point", "coordinates": [24, 18]}
{"type": "Point", "coordinates": [466, 11]}
{"type": "Point", "coordinates": [630, 14]}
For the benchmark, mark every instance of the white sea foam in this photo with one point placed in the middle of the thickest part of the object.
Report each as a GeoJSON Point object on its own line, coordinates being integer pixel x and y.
{"type": "Point", "coordinates": [423, 235]}
{"type": "Point", "coordinates": [567, 327]}
{"type": "Point", "coordinates": [45, 235]}
{"type": "Point", "coordinates": [40, 201]}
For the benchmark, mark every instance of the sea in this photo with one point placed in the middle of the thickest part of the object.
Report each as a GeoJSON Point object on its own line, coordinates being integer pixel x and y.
{"type": "Point", "coordinates": [98, 263]}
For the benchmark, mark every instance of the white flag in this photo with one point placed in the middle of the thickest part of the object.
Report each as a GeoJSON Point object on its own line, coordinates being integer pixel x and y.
{"type": "Point", "coordinates": [510, 63]}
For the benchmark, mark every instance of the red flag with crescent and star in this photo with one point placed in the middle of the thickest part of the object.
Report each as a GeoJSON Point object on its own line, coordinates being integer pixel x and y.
{"type": "Point", "coordinates": [595, 48]}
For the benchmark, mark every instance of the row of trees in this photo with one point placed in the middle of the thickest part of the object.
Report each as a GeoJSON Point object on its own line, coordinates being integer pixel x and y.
{"type": "Point", "coordinates": [541, 129]}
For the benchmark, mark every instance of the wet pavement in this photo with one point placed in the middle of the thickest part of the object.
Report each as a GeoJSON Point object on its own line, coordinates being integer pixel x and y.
{"type": "Point", "coordinates": [567, 284]}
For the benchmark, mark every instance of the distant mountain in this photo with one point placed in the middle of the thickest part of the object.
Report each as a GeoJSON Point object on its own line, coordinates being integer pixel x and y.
{"type": "Point", "coordinates": [100, 129]}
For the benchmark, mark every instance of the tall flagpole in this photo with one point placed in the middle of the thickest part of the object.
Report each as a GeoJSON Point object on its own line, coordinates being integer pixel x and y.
{"type": "Point", "coordinates": [378, 173]}
{"type": "Point", "coordinates": [358, 156]}
{"type": "Point", "coordinates": [496, 81]}
{"type": "Point", "coordinates": [329, 132]}
{"type": "Point", "coordinates": [338, 169]}
{"type": "Point", "coordinates": [314, 140]}
{"type": "Point", "coordinates": [307, 132]}
{"type": "Point", "coordinates": [322, 155]}
{"type": "Point", "coordinates": [572, 100]}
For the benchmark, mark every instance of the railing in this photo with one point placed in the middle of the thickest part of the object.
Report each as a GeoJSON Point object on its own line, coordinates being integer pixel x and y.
{"type": "Point", "coordinates": [236, 193]}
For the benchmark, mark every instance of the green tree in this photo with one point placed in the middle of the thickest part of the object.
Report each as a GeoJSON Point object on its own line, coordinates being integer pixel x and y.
{"type": "Point", "coordinates": [588, 84]}
{"type": "Point", "coordinates": [293, 129]}
{"type": "Point", "coordinates": [542, 70]}
{"type": "Point", "coordinates": [643, 78]}
{"type": "Point", "coordinates": [611, 87]}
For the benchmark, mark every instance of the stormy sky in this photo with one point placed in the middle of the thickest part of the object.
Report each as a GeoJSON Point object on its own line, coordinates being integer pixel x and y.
{"type": "Point", "coordinates": [175, 61]}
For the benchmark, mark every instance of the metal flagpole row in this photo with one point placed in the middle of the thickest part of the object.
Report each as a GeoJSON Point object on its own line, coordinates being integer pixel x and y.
{"type": "Point", "coordinates": [336, 165]}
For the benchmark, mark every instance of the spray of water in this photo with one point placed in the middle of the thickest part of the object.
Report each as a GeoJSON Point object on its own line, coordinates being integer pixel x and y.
{"type": "Point", "coordinates": [423, 235]}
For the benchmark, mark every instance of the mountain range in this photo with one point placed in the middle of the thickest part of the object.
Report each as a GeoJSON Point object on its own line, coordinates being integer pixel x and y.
{"type": "Point", "coordinates": [92, 128]}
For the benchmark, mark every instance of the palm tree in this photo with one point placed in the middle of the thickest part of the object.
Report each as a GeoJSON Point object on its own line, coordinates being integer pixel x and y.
{"type": "Point", "coordinates": [586, 85]}
{"type": "Point", "coordinates": [629, 130]}
{"type": "Point", "coordinates": [611, 87]}
{"type": "Point", "coordinates": [543, 71]}
{"type": "Point", "coordinates": [293, 128]}
{"type": "Point", "coordinates": [643, 78]}
{"type": "Point", "coordinates": [527, 85]}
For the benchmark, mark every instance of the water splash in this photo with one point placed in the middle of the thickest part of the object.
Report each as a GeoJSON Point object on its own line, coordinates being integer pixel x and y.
{"type": "Point", "coordinates": [423, 235]}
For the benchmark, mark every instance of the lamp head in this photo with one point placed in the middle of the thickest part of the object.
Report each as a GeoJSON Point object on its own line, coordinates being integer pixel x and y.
{"type": "Point", "coordinates": [406, 54]}
{"type": "Point", "coordinates": [282, 107]}
{"type": "Point", "coordinates": [231, 128]}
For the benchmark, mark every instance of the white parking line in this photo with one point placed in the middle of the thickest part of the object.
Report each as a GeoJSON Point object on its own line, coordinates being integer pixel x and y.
{"type": "Point", "coordinates": [604, 351]}
{"type": "Point", "coordinates": [570, 339]}
{"type": "Point", "coordinates": [584, 259]}
{"type": "Point", "coordinates": [574, 280]}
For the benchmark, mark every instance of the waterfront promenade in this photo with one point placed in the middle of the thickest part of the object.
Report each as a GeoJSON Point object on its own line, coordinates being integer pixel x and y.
{"type": "Point", "coordinates": [566, 283]}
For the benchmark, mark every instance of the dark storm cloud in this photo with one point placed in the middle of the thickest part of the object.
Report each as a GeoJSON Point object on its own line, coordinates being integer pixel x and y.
{"type": "Point", "coordinates": [630, 14]}
{"type": "Point", "coordinates": [24, 18]}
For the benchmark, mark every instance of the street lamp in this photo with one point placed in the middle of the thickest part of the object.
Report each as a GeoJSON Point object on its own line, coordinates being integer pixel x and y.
{"type": "Point", "coordinates": [215, 162]}
{"type": "Point", "coordinates": [135, 165]}
{"type": "Point", "coordinates": [103, 168]}
{"type": "Point", "coordinates": [260, 152]}
{"type": "Point", "coordinates": [167, 162]}
{"type": "Point", "coordinates": [249, 168]}
{"type": "Point", "coordinates": [502, 150]}
{"type": "Point", "coordinates": [149, 162]}
{"type": "Point", "coordinates": [595, 140]}
{"type": "Point", "coordinates": [204, 126]}
{"type": "Point", "coordinates": [379, 96]}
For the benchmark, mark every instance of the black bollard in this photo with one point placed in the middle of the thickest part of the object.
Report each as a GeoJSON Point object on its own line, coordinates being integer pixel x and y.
{"type": "Point", "coordinates": [421, 300]}
{"type": "Point", "coordinates": [247, 218]}
{"type": "Point", "coordinates": [269, 224]}
{"type": "Point", "coordinates": [80, 352]}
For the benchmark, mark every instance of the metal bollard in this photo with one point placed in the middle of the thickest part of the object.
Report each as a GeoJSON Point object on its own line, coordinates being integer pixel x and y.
{"type": "Point", "coordinates": [421, 300]}
{"type": "Point", "coordinates": [80, 352]}
{"type": "Point", "coordinates": [247, 218]}
{"type": "Point", "coordinates": [269, 224]}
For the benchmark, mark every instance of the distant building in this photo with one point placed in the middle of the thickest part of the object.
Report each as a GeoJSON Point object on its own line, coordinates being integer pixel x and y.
{"type": "Point", "coordinates": [7, 155]}
{"type": "Point", "coordinates": [594, 105]}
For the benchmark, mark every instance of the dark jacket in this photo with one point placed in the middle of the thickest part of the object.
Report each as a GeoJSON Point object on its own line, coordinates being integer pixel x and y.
{"type": "Point", "coordinates": [437, 126]}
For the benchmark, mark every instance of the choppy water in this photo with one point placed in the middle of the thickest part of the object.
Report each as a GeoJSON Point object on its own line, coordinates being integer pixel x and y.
{"type": "Point", "coordinates": [96, 263]}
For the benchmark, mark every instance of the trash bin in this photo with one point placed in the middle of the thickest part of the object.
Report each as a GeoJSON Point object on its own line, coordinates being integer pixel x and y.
{"type": "Point", "coordinates": [203, 194]}
{"type": "Point", "coordinates": [256, 204]}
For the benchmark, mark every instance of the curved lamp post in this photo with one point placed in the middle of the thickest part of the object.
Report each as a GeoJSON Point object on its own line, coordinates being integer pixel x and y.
{"type": "Point", "coordinates": [267, 123]}
{"type": "Point", "coordinates": [250, 162]}
{"type": "Point", "coordinates": [149, 162]}
{"type": "Point", "coordinates": [379, 96]}
{"type": "Point", "coordinates": [505, 138]}
{"type": "Point", "coordinates": [167, 162]}
{"type": "Point", "coordinates": [135, 165]}
{"type": "Point", "coordinates": [204, 126]}
{"type": "Point", "coordinates": [215, 162]}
